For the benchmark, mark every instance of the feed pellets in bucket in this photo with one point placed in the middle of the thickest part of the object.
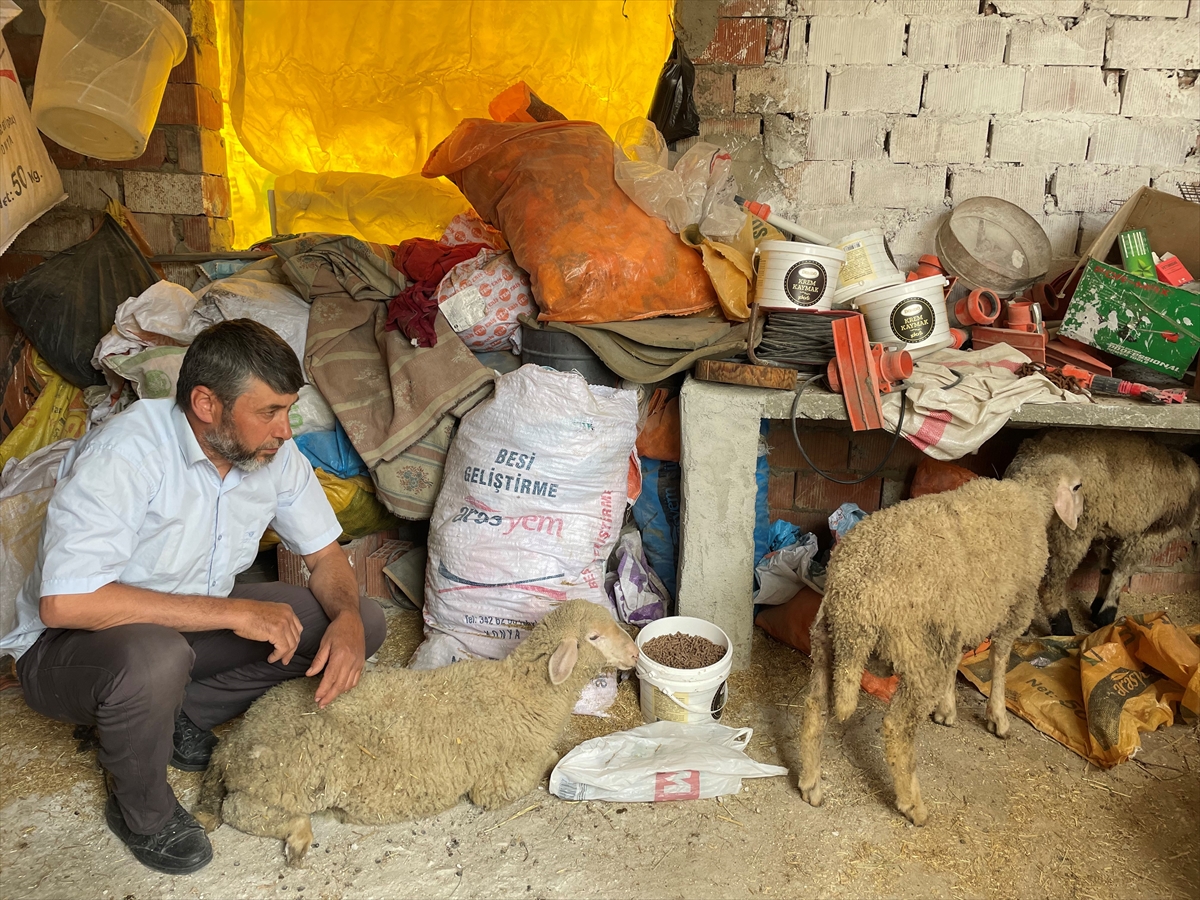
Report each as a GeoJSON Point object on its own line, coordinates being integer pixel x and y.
{"type": "Point", "coordinates": [683, 667]}
{"type": "Point", "coordinates": [795, 276]}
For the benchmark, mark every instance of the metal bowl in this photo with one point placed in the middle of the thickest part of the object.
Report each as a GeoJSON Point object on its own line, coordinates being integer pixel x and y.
{"type": "Point", "coordinates": [991, 243]}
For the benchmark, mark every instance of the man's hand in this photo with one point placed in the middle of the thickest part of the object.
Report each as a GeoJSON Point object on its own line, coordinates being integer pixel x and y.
{"type": "Point", "coordinates": [274, 623]}
{"type": "Point", "coordinates": [342, 655]}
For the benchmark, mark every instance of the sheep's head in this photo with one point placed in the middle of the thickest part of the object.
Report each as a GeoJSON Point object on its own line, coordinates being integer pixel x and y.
{"type": "Point", "coordinates": [589, 632]}
{"type": "Point", "coordinates": [1064, 479]}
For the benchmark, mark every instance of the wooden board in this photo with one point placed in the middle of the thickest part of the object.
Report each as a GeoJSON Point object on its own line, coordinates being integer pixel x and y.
{"type": "Point", "coordinates": [751, 376]}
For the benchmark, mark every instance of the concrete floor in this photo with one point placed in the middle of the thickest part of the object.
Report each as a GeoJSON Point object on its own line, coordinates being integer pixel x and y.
{"type": "Point", "coordinates": [1018, 818]}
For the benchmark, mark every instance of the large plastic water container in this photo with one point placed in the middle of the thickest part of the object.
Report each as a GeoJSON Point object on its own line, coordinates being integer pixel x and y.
{"type": "Point", "coordinates": [102, 72]}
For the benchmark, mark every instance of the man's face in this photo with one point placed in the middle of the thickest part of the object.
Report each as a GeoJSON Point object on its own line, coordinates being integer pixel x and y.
{"type": "Point", "coordinates": [251, 430]}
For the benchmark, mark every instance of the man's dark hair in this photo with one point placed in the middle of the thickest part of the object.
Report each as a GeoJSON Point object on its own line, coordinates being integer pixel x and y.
{"type": "Point", "coordinates": [224, 358]}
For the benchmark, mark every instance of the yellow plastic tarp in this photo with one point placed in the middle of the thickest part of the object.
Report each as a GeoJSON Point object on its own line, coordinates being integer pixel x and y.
{"type": "Point", "coordinates": [59, 412]}
{"type": "Point", "coordinates": [369, 87]}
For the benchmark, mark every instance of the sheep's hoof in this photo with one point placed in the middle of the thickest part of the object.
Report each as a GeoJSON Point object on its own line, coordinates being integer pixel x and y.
{"type": "Point", "coordinates": [998, 727]}
{"type": "Point", "coordinates": [1102, 616]}
{"type": "Point", "coordinates": [210, 821]}
{"type": "Point", "coordinates": [917, 814]}
{"type": "Point", "coordinates": [814, 796]}
{"type": "Point", "coordinates": [299, 839]}
{"type": "Point", "coordinates": [1060, 624]}
{"type": "Point", "coordinates": [949, 719]}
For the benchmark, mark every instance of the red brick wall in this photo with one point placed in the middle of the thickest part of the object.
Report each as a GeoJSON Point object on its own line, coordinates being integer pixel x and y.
{"type": "Point", "coordinates": [800, 496]}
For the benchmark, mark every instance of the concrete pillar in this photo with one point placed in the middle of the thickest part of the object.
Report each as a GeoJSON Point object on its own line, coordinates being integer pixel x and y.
{"type": "Point", "coordinates": [716, 543]}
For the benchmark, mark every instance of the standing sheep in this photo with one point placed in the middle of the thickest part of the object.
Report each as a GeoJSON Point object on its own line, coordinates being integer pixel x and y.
{"type": "Point", "coordinates": [917, 582]}
{"type": "Point", "coordinates": [406, 744]}
{"type": "Point", "coordinates": [1136, 493]}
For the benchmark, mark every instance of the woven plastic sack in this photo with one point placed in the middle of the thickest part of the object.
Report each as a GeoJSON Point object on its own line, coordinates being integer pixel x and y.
{"type": "Point", "coordinates": [591, 254]}
{"type": "Point", "coordinates": [531, 504]}
{"type": "Point", "coordinates": [58, 413]}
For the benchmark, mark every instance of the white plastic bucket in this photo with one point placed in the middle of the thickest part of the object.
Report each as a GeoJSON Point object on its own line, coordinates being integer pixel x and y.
{"type": "Point", "coordinates": [868, 266]}
{"type": "Point", "coordinates": [683, 695]}
{"type": "Point", "coordinates": [102, 72]}
{"type": "Point", "coordinates": [911, 315]}
{"type": "Point", "coordinates": [795, 276]}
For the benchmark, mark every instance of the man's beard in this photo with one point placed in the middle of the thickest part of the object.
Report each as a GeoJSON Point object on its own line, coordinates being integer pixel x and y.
{"type": "Point", "coordinates": [224, 440]}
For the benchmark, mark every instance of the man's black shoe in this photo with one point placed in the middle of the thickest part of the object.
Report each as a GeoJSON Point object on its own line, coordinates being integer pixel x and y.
{"type": "Point", "coordinates": [193, 745]}
{"type": "Point", "coordinates": [179, 848]}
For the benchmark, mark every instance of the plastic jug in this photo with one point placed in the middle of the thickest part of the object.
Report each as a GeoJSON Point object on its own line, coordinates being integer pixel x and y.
{"type": "Point", "coordinates": [102, 72]}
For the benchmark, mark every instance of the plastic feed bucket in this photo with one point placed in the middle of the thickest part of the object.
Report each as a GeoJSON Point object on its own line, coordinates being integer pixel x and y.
{"type": "Point", "coordinates": [911, 315]}
{"type": "Point", "coordinates": [793, 275]}
{"type": "Point", "coordinates": [102, 72]}
{"type": "Point", "coordinates": [683, 695]}
{"type": "Point", "coordinates": [868, 266]}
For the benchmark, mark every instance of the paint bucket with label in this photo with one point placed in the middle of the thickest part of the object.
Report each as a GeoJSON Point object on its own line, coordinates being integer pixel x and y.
{"type": "Point", "coordinates": [868, 266]}
{"type": "Point", "coordinates": [911, 315]}
{"type": "Point", "coordinates": [683, 695]}
{"type": "Point", "coordinates": [796, 276]}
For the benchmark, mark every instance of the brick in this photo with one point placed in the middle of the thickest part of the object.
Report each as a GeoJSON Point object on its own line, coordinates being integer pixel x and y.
{"type": "Point", "coordinates": [1164, 582]}
{"type": "Point", "coordinates": [780, 489]}
{"type": "Point", "coordinates": [1175, 552]}
{"type": "Point", "coordinates": [1063, 231]}
{"type": "Point", "coordinates": [817, 183]}
{"type": "Point", "coordinates": [775, 89]}
{"type": "Point", "coordinates": [1084, 580]}
{"type": "Point", "coordinates": [1072, 8]}
{"type": "Point", "coordinates": [713, 91]}
{"type": "Point", "coordinates": [833, 7]}
{"type": "Point", "coordinates": [1170, 180]}
{"type": "Point", "coordinates": [974, 89]}
{"type": "Point", "coordinates": [950, 42]}
{"type": "Point", "coordinates": [1093, 188]}
{"type": "Point", "coordinates": [1047, 43]}
{"type": "Point", "coordinates": [935, 7]}
{"type": "Point", "coordinates": [52, 233]}
{"type": "Point", "coordinates": [190, 104]}
{"type": "Point", "coordinates": [1070, 89]}
{"type": "Point", "coordinates": [777, 39]}
{"type": "Point", "coordinates": [1023, 185]}
{"type": "Point", "coordinates": [164, 192]}
{"type": "Point", "coordinates": [727, 126]}
{"type": "Point", "coordinates": [915, 236]}
{"type": "Point", "coordinates": [797, 51]}
{"type": "Point", "coordinates": [61, 156]}
{"type": "Point", "coordinates": [834, 136]}
{"type": "Point", "coordinates": [1165, 8]}
{"type": "Point", "coordinates": [159, 231]}
{"type": "Point", "coordinates": [199, 150]}
{"type": "Point", "coordinates": [828, 448]}
{"type": "Point", "coordinates": [740, 42]}
{"type": "Point", "coordinates": [184, 274]}
{"type": "Point", "coordinates": [152, 157]}
{"type": "Point", "coordinates": [217, 201]}
{"type": "Point", "coordinates": [867, 449]}
{"type": "Point", "coordinates": [819, 494]}
{"type": "Point", "coordinates": [893, 492]}
{"type": "Point", "coordinates": [201, 65]}
{"type": "Point", "coordinates": [1142, 142]}
{"type": "Point", "coordinates": [891, 89]}
{"type": "Point", "coordinates": [89, 189]}
{"type": "Point", "coordinates": [1155, 43]}
{"type": "Point", "coordinates": [24, 50]}
{"type": "Point", "coordinates": [1155, 93]}
{"type": "Point", "coordinates": [835, 222]}
{"type": "Point", "coordinates": [878, 39]}
{"type": "Point", "coordinates": [899, 185]}
{"type": "Point", "coordinates": [929, 138]}
{"type": "Point", "coordinates": [14, 264]}
{"type": "Point", "coordinates": [733, 9]}
{"type": "Point", "coordinates": [1039, 141]}
{"type": "Point", "coordinates": [809, 522]}
{"type": "Point", "coordinates": [785, 140]}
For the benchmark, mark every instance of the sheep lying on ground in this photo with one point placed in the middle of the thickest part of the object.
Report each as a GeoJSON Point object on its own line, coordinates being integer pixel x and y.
{"type": "Point", "coordinates": [917, 582]}
{"type": "Point", "coordinates": [406, 744]}
{"type": "Point", "coordinates": [1136, 493]}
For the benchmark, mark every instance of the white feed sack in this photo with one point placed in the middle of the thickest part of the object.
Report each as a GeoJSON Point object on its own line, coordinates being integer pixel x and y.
{"type": "Point", "coordinates": [531, 505]}
{"type": "Point", "coordinates": [29, 182]}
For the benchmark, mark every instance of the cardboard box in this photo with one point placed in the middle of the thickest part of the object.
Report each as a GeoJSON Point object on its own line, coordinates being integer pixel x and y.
{"type": "Point", "coordinates": [1135, 318]}
{"type": "Point", "coordinates": [1173, 226]}
{"type": "Point", "coordinates": [292, 569]}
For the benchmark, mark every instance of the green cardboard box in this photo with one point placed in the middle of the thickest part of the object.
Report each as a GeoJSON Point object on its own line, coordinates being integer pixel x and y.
{"type": "Point", "coordinates": [1134, 318]}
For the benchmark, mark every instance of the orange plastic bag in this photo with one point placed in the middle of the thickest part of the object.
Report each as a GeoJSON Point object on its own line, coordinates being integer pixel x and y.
{"type": "Point", "coordinates": [934, 476]}
{"type": "Point", "coordinates": [591, 254]}
{"type": "Point", "coordinates": [660, 434]}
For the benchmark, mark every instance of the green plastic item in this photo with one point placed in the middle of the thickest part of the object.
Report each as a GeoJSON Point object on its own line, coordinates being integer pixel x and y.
{"type": "Point", "coordinates": [1135, 318]}
{"type": "Point", "coordinates": [1135, 253]}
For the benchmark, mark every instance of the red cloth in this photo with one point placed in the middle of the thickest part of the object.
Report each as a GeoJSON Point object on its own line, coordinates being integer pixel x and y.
{"type": "Point", "coordinates": [425, 263]}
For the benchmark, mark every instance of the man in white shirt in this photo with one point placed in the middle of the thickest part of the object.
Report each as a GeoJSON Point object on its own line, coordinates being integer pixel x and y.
{"type": "Point", "coordinates": [130, 620]}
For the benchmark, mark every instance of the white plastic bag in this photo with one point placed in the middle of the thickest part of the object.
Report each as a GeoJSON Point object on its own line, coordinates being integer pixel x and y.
{"type": "Point", "coordinates": [640, 170]}
{"type": "Point", "coordinates": [782, 573]}
{"type": "Point", "coordinates": [661, 761]}
{"type": "Point", "coordinates": [635, 588]}
{"type": "Point", "coordinates": [530, 507]}
{"type": "Point", "coordinates": [310, 412]}
{"type": "Point", "coordinates": [31, 183]}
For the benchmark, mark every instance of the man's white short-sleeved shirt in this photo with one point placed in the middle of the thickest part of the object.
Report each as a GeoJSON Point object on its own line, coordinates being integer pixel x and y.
{"type": "Point", "coordinates": [138, 502]}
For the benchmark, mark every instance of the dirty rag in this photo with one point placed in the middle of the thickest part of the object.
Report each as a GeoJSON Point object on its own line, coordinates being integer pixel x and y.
{"type": "Point", "coordinates": [425, 263]}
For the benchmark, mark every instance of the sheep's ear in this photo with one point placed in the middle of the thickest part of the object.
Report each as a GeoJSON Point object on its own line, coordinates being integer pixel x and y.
{"type": "Point", "coordinates": [563, 659]}
{"type": "Point", "coordinates": [1067, 503]}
